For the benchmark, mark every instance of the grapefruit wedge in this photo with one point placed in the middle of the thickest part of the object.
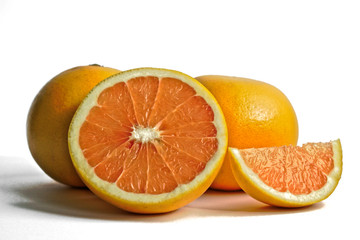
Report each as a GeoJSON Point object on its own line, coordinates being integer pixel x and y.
{"type": "Point", "coordinates": [289, 176]}
{"type": "Point", "coordinates": [148, 140]}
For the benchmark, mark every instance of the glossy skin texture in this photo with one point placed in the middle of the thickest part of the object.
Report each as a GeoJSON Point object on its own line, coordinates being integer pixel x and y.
{"type": "Point", "coordinates": [257, 115]}
{"type": "Point", "coordinates": [50, 115]}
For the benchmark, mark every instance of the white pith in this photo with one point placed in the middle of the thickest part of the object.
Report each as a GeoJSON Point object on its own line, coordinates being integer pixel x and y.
{"type": "Point", "coordinates": [332, 179]}
{"type": "Point", "coordinates": [143, 135]}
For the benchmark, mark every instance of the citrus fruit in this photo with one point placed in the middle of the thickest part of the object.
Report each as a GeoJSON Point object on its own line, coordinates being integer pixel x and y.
{"type": "Point", "coordinates": [148, 140]}
{"type": "Point", "coordinates": [257, 115]}
{"type": "Point", "coordinates": [289, 176]}
{"type": "Point", "coordinates": [50, 115]}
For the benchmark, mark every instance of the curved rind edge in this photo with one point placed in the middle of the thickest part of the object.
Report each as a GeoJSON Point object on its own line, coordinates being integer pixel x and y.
{"type": "Point", "coordinates": [251, 183]}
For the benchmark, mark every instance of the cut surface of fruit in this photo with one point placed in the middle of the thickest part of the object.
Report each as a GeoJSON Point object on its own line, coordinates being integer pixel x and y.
{"type": "Point", "coordinates": [148, 140]}
{"type": "Point", "coordinates": [289, 176]}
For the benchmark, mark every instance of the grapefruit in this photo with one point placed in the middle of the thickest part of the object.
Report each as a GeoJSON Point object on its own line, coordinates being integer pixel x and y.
{"type": "Point", "coordinates": [257, 115]}
{"type": "Point", "coordinates": [50, 115]}
{"type": "Point", "coordinates": [148, 140]}
{"type": "Point", "coordinates": [289, 176]}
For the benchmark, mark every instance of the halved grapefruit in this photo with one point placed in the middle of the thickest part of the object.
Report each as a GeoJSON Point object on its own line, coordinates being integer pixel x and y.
{"type": "Point", "coordinates": [289, 176]}
{"type": "Point", "coordinates": [148, 140]}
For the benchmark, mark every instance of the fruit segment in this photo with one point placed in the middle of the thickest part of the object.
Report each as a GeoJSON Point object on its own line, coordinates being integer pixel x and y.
{"type": "Point", "coordinates": [112, 164]}
{"type": "Point", "coordinates": [299, 170]}
{"type": "Point", "coordinates": [134, 175]}
{"type": "Point", "coordinates": [92, 134]}
{"type": "Point", "coordinates": [143, 91]}
{"type": "Point", "coordinates": [162, 178]}
{"type": "Point", "coordinates": [192, 130]}
{"type": "Point", "coordinates": [117, 103]}
{"type": "Point", "coordinates": [183, 166]}
{"type": "Point", "coordinates": [200, 148]}
{"type": "Point", "coordinates": [193, 110]}
{"type": "Point", "coordinates": [172, 92]}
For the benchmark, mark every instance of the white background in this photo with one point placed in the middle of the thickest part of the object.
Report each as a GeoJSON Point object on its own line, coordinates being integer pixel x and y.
{"type": "Point", "coordinates": [308, 49]}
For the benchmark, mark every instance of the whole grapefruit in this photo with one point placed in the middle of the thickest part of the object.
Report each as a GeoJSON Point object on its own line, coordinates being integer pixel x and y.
{"type": "Point", "coordinates": [50, 115]}
{"type": "Point", "coordinates": [257, 115]}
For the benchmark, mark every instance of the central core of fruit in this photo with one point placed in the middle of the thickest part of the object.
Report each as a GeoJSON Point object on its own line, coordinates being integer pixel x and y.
{"type": "Point", "coordinates": [144, 134]}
